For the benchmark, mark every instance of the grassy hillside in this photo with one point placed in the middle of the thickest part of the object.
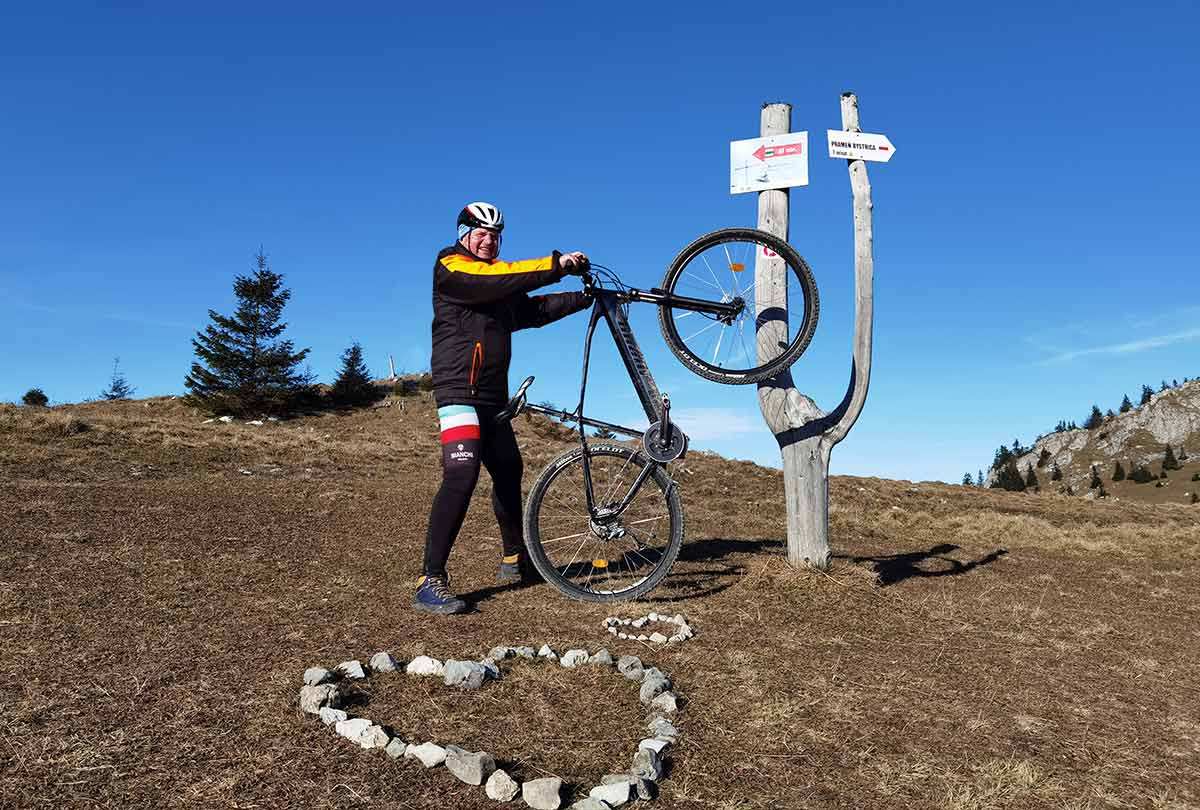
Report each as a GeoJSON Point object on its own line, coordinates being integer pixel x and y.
{"type": "Point", "coordinates": [164, 583]}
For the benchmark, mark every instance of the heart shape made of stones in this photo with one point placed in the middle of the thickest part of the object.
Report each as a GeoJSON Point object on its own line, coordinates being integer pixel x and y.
{"type": "Point", "coordinates": [325, 693]}
{"type": "Point", "coordinates": [680, 629]}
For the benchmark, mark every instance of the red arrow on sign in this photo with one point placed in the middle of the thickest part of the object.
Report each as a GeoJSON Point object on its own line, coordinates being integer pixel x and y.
{"type": "Point", "coordinates": [764, 152]}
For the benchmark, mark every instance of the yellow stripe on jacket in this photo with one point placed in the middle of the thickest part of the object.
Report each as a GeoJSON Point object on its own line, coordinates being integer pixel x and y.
{"type": "Point", "coordinates": [456, 263]}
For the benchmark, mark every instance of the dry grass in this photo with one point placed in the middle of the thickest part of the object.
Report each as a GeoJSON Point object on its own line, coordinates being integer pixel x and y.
{"type": "Point", "coordinates": [967, 649]}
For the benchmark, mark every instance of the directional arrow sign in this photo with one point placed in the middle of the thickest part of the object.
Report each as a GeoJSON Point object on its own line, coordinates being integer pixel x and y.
{"type": "Point", "coordinates": [860, 146]}
{"type": "Point", "coordinates": [776, 161]}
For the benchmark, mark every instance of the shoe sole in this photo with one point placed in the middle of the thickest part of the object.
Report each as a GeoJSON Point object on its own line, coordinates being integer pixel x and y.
{"type": "Point", "coordinates": [447, 610]}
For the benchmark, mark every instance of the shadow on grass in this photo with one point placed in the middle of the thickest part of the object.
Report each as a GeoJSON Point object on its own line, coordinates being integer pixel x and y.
{"type": "Point", "coordinates": [934, 562]}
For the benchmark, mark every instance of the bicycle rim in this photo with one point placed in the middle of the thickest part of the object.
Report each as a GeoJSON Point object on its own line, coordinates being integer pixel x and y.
{"type": "Point", "coordinates": [776, 322]}
{"type": "Point", "coordinates": [614, 559]}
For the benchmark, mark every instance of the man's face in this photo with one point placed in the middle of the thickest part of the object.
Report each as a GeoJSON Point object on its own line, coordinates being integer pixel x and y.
{"type": "Point", "coordinates": [483, 243]}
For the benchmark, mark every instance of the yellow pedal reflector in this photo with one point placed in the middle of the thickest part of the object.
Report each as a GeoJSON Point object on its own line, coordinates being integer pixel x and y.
{"type": "Point", "coordinates": [600, 563]}
{"type": "Point", "coordinates": [737, 267]}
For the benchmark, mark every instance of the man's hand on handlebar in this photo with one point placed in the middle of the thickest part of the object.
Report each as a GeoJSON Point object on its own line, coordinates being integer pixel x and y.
{"type": "Point", "coordinates": [575, 263]}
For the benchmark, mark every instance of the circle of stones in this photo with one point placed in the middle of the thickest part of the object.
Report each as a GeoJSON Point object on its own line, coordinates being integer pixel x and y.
{"type": "Point", "coordinates": [617, 627]}
{"type": "Point", "coordinates": [322, 695]}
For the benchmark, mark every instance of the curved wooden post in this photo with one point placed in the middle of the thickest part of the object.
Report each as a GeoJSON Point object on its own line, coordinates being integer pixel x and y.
{"type": "Point", "coordinates": [805, 433]}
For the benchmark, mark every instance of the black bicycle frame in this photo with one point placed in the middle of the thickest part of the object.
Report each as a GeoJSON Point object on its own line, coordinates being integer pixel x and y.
{"type": "Point", "coordinates": [609, 305]}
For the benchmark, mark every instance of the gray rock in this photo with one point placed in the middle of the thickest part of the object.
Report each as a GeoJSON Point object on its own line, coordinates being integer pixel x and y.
{"type": "Point", "coordinates": [630, 666]}
{"type": "Point", "coordinates": [330, 716]}
{"type": "Point", "coordinates": [653, 686]}
{"type": "Point", "coordinates": [314, 698]}
{"type": "Point", "coordinates": [525, 651]}
{"type": "Point", "coordinates": [352, 669]}
{"type": "Point", "coordinates": [645, 789]}
{"type": "Point", "coordinates": [655, 744]}
{"type": "Point", "coordinates": [658, 638]}
{"type": "Point", "coordinates": [471, 767]}
{"type": "Point", "coordinates": [315, 676]}
{"type": "Point", "coordinates": [546, 652]}
{"type": "Point", "coordinates": [543, 794]}
{"type": "Point", "coordinates": [573, 658]}
{"type": "Point", "coordinates": [500, 653]}
{"type": "Point", "coordinates": [602, 657]}
{"type": "Point", "coordinates": [464, 674]}
{"type": "Point", "coordinates": [424, 665]}
{"type": "Point", "coordinates": [678, 619]}
{"type": "Point", "coordinates": [638, 623]}
{"type": "Point", "coordinates": [374, 737]}
{"type": "Point", "coordinates": [353, 728]}
{"type": "Point", "coordinates": [614, 631]}
{"type": "Point", "coordinates": [396, 748]}
{"type": "Point", "coordinates": [643, 637]}
{"type": "Point", "coordinates": [613, 794]}
{"type": "Point", "coordinates": [588, 803]}
{"type": "Point", "coordinates": [383, 662]}
{"type": "Point", "coordinates": [501, 787]}
{"type": "Point", "coordinates": [666, 702]}
{"type": "Point", "coordinates": [490, 669]}
{"type": "Point", "coordinates": [431, 755]}
{"type": "Point", "coordinates": [646, 765]}
{"type": "Point", "coordinates": [662, 727]}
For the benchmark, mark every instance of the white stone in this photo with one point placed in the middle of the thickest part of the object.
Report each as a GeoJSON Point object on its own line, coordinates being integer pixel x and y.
{"type": "Point", "coordinates": [546, 652]}
{"type": "Point", "coordinates": [666, 702]}
{"type": "Point", "coordinates": [572, 658]}
{"type": "Point", "coordinates": [653, 616]}
{"type": "Point", "coordinates": [656, 744]}
{"type": "Point", "coordinates": [501, 787]}
{"type": "Point", "coordinates": [614, 794]}
{"type": "Point", "coordinates": [525, 651]}
{"type": "Point", "coordinates": [662, 727]}
{"type": "Point", "coordinates": [639, 623]}
{"type": "Point", "coordinates": [313, 698]}
{"type": "Point", "coordinates": [588, 803]}
{"type": "Point", "coordinates": [225, 419]}
{"type": "Point", "coordinates": [602, 657]}
{"type": "Point", "coordinates": [374, 737]}
{"type": "Point", "coordinates": [352, 669]}
{"type": "Point", "coordinates": [543, 794]}
{"type": "Point", "coordinates": [646, 765]}
{"type": "Point", "coordinates": [352, 729]}
{"type": "Point", "coordinates": [470, 767]}
{"type": "Point", "coordinates": [431, 755]}
{"type": "Point", "coordinates": [623, 635]}
{"type": "Point", "coordinates": [464, 674]}
{"type": "Point", "coordinates": [207, 421]}
{"type": "Point", "coordinates": [631, 667]}
{"type": "Point", "coordinates": [678, 619]}
{"type": "Point", "coordinates": [643, 637]}
{"type": "Point", "coordinates": [383, 662]}
{"type": "Point", "coordinates": [330, 716]}
{"type": "Point", "coordinates": [658, 638]}
{"type": "Point", "coordinates": [314, 676]}
{"type": "Point", "coordinates": [254, 422]}
{"type": "Point", "coordinates": [424, 665]}
{"type": "Point", "coordinates": [613, 630]}
{"type": "Point", "coordinates": [396, 748]}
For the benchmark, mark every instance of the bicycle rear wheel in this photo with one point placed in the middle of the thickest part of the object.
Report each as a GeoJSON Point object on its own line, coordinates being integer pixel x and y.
{"type": "Point", "coordinates": [775, 325]}
{"type": "Point", "coordinates": [613, 559]}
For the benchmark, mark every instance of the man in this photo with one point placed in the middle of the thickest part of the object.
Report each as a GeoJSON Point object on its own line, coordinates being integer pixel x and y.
{"type": "Point", "coordinates": [478, 302]}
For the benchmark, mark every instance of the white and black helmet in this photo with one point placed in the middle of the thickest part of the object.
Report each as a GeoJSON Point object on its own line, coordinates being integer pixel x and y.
{"type": "Point", "coordinates": [481, 215]}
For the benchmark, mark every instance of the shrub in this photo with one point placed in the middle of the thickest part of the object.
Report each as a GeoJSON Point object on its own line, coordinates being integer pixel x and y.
{"type": "Point", "coordinates": [1095, 482]}
{"type": "Point", "coordinates": [1056, 473]}
{"type": "Point", "coordinates": [425, 382]}
{"type": "Point", "coordinates": [35, 398]}
{"type": "Point", "coordinates": [1195, 498]}
{"type": "Point", "coordinates": [1139, 474]}
{"type": "Point", "coordinates": [1118, 472]}
{"type": "Point", "coordinates": [1169, 460]}
{"type": "Point", "coordinates": [1043, 457]}
{"type": "Point", "coordinates": [1196, 476]}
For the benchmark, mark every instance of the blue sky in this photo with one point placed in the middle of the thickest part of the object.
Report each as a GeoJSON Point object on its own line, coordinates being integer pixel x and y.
{"type": "Point", "coordinates": [1033, 233]}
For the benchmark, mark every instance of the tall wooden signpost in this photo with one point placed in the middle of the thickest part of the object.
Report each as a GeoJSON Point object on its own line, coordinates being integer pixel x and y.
{"type": "Point", "coordinates": [805, 433]}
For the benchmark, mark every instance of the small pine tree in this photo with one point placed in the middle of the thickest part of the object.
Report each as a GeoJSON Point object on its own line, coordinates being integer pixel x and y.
{"type": "Point", "coordinates": [35, 398]}
{"type": "Point", "coordinates": [1002, 457]}
{"type": "Point", "coordinates": [1095, 482]}
{"type": "Point", "coordinates": [1094, 419]}
{"type": "Point", "coordinates": [1126, 405]}
{"type": "Point", "coordinates": [353, 385]}
{"type": "Point", "coordinates": [1043, 457]}
{"type": "Point", "coordinates": [1031, 480]}
{"type": "Point", "coordinates": [243, 367]}
{"type": "Point", "coordinates": [1147, 393]}
{"type": "Point", "coordinates": [118, 387]}
{"type": "Point", "coordinates": [1174, 383]}
{"type": "Point", "coordinates": [1009, 477]}
{"type": "Point", "coordinates": [1164, 387]}
{"type": "Point", "coordinates": [1056, 473]}
{"type": "Point", "coordinates": [1118, 472]}
{"type": "Point", "coordinates": [968, 480]}
{"type": "Point", "coordinates": [1109, 414]}
{"type": "Point", "coordinates": [1169, 460]}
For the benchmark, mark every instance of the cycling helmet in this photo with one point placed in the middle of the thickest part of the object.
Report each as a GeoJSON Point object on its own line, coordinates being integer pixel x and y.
{"type": "Point", "coordinates": [481, 215]}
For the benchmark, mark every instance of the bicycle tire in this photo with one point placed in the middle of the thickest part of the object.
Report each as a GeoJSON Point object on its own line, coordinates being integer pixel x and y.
{"type": "Point", "coordinates": [804, 335]}
{"type": "Point", "coordinates": [534, 520]}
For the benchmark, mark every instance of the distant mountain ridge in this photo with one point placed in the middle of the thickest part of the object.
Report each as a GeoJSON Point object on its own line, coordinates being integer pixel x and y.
{"type": "Point", "coordinates": [1140, 435]}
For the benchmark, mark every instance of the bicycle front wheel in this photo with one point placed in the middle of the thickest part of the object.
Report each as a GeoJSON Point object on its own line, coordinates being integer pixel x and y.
{"type": "Point", "coordinates": [614, 556]}
{"type": "Point", "coordinates": [778, 315]}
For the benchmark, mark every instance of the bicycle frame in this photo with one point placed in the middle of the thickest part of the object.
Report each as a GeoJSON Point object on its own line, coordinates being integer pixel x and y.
{"type": "Point", "coordinates": [609, 306]}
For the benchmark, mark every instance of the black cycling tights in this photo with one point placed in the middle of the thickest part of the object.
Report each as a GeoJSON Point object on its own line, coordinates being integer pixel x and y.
{"type": "Point", "coordinates": [470, 437]}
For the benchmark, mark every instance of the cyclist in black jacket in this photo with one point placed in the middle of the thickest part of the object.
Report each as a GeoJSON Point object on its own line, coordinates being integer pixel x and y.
{"type": "Point", "coordinates": [478, 302]}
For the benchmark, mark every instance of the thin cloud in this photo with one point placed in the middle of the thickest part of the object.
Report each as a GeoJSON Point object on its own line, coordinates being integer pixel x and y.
{"type": "Point", "coordinates": [1129, 347]}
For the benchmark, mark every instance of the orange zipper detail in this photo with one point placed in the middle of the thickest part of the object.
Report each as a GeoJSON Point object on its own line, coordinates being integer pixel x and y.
{"type": "Point", "coordinates": [476, 364]}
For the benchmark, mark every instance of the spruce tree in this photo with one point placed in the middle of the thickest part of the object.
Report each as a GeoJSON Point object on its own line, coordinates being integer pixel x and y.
{"type": "Point", "coordinates": [1147, 392]}
{"type": "Point", "coordinates": [1043, 457]}
{"type": "Point", "coordinates": [1126, 405]}
{"type": "Point", "coordinates": [1095, 482]}
{"type": "Point", "coordinates": [1009, 477]}
{"type": "Point", "coordinates": [1169, 460]}
{"type": "Point", "coordinates": [353, 385]}
{"type": "Point", "coordinates": [979, 479]}
{"type": "Point", "coordinates": [244, 367]}
{"type": "Point", "coordinates": [1094, 419]}
{"type": "Point", "coordinates": [1118, 472]}
{"type": "Point", "coordinates": [1031, 481]}
{"type": "Point", "coordinates": [118, 387]}
{"type": "Point", "coordinates": [1056, 473]}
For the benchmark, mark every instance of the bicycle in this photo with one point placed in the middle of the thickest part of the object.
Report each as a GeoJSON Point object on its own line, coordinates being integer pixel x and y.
{"type": "Point", "coordinates": [629, 534]}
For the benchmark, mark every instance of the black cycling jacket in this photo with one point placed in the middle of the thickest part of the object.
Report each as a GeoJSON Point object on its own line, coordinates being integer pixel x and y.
{"type": "Point", "coordinates": [477, 305]}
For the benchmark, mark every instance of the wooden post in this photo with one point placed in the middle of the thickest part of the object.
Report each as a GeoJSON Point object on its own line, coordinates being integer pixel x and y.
{"type": "Point", "coordinates": [805, 433]}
